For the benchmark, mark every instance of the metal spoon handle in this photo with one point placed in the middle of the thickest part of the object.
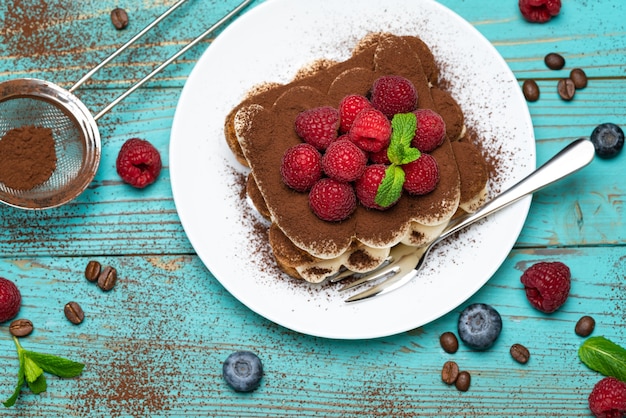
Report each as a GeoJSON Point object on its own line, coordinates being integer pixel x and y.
{"type": "Point", "coordinates": [171, 59]}
{"type": "Point", "coordinates": [569, 160]}
{"type": "Point", "coordinates": [122, 48]}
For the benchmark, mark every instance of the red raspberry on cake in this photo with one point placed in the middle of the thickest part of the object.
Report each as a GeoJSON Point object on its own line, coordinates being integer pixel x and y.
{"type": "Point", "coordinates": [608, 398]}
{"type": "Point", "coordinates": [301, 167]}
{"type": "Point", "coordinates": [349, 107]}
{"type": "Point", "coordinates": [10, 300]}
{"type": "Point", "coordinates": [431, 130]}
{"type": "Point", "coordinates": [344, 161]}
{"type": "Point", "coordinates": [380, 157]}
{"type": "Point", "coordinates": [539, 11]}
{"type": "Point", "coordinates": [332, 200]}
{"type": "Point", "coordinates": [138, 163]}
{"type": "Point", "coordinates": [547, 285]}
{"type": "Point", "coordinates": [318, 126]}
{"type": "Point", "coordinates": [367, 186]}
{"type": "Point", "coordinates": [421, 176]}
{"type": "Point", "coordinates": [393, 94]}
{"type": "Point", "coordinates": [371, 130]}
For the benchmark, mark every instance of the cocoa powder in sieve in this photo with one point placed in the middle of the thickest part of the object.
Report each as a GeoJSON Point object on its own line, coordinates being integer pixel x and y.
{"type": "Point", "coordinates": [27, 157]}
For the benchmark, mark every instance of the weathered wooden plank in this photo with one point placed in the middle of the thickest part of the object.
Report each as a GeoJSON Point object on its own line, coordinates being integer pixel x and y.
{"type": "Point", "coordinates": [154, 346]}
{"type": "Point", "coordinates": [59, 41]}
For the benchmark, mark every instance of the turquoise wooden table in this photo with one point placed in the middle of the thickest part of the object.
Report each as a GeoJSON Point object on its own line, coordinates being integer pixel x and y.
{"type": "Point", "coordinates": [154, 346]}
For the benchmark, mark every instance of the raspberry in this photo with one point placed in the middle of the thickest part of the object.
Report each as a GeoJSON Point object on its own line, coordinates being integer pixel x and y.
{"type": "Point", "coordinates": [539, 11]}
{"type": "Point", "coordinates": [371, 130]}
{"type": "Point", "coordinates": [301, 167]}
{"type": "Point", "coordinates": [349, 107]}
{"type": "Point", "coordinates": [138, 163]}
{"type": "Point", "coordinates": [332, 200]}
{"type": "Point", "coordinates": [10, 300]}
{"type": "Point", "coordinates": [608, 398]}
{"type": "Point", "coordinates": [431, 130]}
{"type": "Point", "coordinates": [393, 94]}
{"type": "Point", "coordinates": [547, 285]}
{"type": "Point", "coordinates": [380, 157]}
{"type": "Point", "coordinates": [421, 176]}
{"type": "Point", "coordinates": [344, 161]}
{"type": "Point", "coordinates": [367, 186]}
{"type": "Point", "coordinates": [318, 126]}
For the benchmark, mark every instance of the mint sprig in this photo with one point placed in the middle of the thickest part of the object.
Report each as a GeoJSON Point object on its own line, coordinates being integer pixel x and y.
{"type": "Point", "coordinates": [32, 368]}
{"type": "Point", "coordinates": [399, 152]}
{"type": "Point", "coordinates": [604, 356]}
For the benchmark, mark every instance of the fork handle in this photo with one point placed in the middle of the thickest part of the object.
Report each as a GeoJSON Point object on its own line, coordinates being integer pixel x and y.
{"type": "Point", "coordinates": [570, 159]}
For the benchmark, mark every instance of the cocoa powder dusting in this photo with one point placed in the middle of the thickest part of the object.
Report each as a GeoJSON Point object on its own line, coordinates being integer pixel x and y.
{"type": "Point", "coordinates": [27, 157]}
{"type": "Point", "coordinates": [269, 132]}
{"type": "Point", "coordinates": [27, 23]}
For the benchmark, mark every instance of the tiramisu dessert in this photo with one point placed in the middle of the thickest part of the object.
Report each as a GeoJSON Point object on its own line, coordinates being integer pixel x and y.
{"type": "Point", "coordinates": [355, 157]}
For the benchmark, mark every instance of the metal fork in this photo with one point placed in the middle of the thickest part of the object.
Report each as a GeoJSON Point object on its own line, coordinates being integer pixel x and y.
{"type": "Point", "coordinates": [569, 160]}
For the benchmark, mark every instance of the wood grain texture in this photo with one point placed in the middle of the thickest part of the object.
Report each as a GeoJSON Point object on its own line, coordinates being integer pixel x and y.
{"type": "Point", "coordinates": [154, 346]}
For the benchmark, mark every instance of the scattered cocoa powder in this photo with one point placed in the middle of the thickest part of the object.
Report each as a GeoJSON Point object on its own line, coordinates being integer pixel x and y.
{"type": "Point", "coordinates": [27, 157]}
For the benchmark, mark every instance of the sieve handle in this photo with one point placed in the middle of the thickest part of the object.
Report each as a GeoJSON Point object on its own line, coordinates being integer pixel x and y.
{"type": "Point", "coordinates": [125, 46]}
{"type": "Point", "coordinates": [187, 47]}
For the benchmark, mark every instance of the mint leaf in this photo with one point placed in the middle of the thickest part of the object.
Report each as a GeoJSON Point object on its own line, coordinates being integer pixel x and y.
{"type": "Point", "coordinates": [390, 188]}
{"type": "Point", "coordinates": [403, 127]}
{"type": "Point", "coordinates": [31, 370]}
{"type": "Point", "coordinates": [55, 365]}
{"type": "Point", "coordinates": [32, 367]}
{"type": "Point", "coordinates": [604, 356]}
{"type": "Point", "coordinates": [410, 155]}
{"type": "Point", "coordinates": [20, 379]}
{"type": "Point", "coordinates": [38, 385]}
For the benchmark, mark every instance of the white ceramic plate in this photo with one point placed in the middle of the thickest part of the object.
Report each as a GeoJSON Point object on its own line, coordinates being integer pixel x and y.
{"type": "Point", "coordinates": [270, 43]}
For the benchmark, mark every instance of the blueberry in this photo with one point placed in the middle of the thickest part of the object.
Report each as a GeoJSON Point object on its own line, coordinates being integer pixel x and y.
{"type": "Point", "coordinates": [479, 326]}
{"type": "Point", "coordinates": [608, 140]}
{"type": "Point", "coordinates": [243, 370]}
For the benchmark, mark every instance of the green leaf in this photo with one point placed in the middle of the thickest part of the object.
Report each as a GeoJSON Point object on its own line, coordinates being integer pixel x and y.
{"type": "Point", "coordinates": [410, 155]}
{"type": "Point", "coordinates": [403, 127]}
{"type": "Point", "coordinates": [604, 356]}
{"type": "Point", "coordinates": [20, 381]}
{"type": "Point", "coordinates": [31, 370]}
{"type": "Point", "coordinates": [38, 385]}
{"type": "Point", "coordinates": [390, 188]}
{"type": "Point", "coordinates": [32, 366]}
{"type": "Point", "coordinates": [55, 365]}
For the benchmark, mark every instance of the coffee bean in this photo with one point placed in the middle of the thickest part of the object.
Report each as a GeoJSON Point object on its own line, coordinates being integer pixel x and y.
{"type": "Point", "coordinates": [74, 313]}
{"type": "Point", "coordinates": [566, 89]}
{"type": "Point", "coordinates": [530, 90]}
{"type": "Point", "coordinates": [579, 78]}
{"type": "Point", "coordinates": [554, 61]}
{"type": "Point", "coordinates": [119, 18]}
{"type": "Point", "coordinates": [585, 326]}
{"type": "Point", "coordinates": [463, 381]}
{"type": "Point", "coordinates": [92, 271]}
{"type": "Point", "coordinates": [21, 327]}
{"type": "Point", "coordinates": [520, 353]}
{"type": "Point", "coordinates": [449, 342]}
{"type": "Point", "coordinates": [107, 278]}
{"type": "Point", "coordinates": [450, 372]}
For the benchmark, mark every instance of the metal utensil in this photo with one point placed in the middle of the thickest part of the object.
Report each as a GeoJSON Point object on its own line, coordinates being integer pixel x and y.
{"type": "Point", "coordinates": [569, 160]}
{"type": "Point", "coordinates": [35, 102]}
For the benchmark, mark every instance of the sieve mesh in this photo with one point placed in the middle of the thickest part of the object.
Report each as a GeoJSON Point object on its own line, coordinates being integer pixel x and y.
{"type": "Point", "coordinates": [32, 102]}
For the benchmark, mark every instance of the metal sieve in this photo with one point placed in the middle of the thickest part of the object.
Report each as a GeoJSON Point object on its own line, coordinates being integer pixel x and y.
{"type": "Point", "coordinates": [35, 102]}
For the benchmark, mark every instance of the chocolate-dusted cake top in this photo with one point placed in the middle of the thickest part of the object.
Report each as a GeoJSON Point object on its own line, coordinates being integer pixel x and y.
{"type": "Point", "coordinates": [264, 126]}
